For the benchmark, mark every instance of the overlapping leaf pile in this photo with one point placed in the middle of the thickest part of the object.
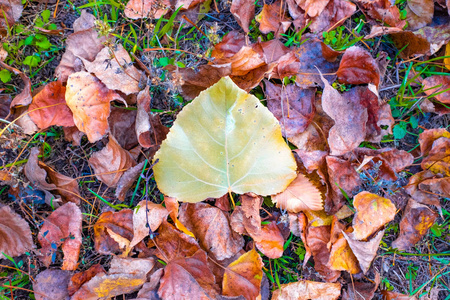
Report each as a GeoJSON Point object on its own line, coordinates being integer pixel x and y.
{"type": "Point", "coordinates": [225, 147]}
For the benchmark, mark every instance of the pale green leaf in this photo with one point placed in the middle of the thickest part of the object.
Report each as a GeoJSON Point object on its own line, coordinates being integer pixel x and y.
{"type": "Point", "coordinates": [224, 140]}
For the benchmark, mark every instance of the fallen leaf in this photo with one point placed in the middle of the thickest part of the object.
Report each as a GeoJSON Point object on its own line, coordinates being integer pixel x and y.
{"type": "Point", "coordinates": [114, 68]}
{"type": "Point", "coordinates": [436, 187]}
{"type": "Point", "coordinates": [59, 114]}
{"type": "Point", "coordinates": [372, 212]}
{"type": "Point", "coordinates": [120, 223]}
{"type": "Point", "coordinates": [126, 275]}
{"type": "Point", "coordinates": [269, 240]}
{"type": "Point", "coordinates": [250, 205]}
{"type": "Point", "coordinates": [244, 12]}
{"type": "Point", "coordinates": [358, 67]}
{"type": "Point", "coordinates": [419, 13]}
{"type": "Point", "coordinates": [382, 11]}
{"type": "Point", "coordinates": [305, 290]}
{"type": "Point", "coordinates": [313, 7]}
{"type": "Point", "coordinates": [438, 159]}
{"type": "Point", "coordinates": [11, 12]}
{"type": "Point", "coordinates": [15, 234]}
{"type": "Point", "coordinates": [62, 227]}
{"type": "Point", "coordinates": [127, 179]}
{"type": "Point", "coordinates": [172, 207]}
{"type": "Point", "coordinates": [389, 295]}
{"type": "Point", "coordinates": [150, 289]}
{"type": "Point", "coordinates": [416, 221]}
{"type": "Point", "coordinates": [211, 227]}
{"type": "Point", "coordinates": [427, 138]}
{"type": "Point", "coordinates": [292, 106]}
{"type": "Point", "coordinates": [86, 44]}
{"type": "Point", "coordinates": [85, 21]}
{"type": "Point", "coordinates": [231, 43]}
{"type": "Point", "coordinates": [120, 121]}
{"type": "Point", "coordinates": [138, 9]}
{"type": "Point", "coordinates": [243, 61]}
{"type": "Point", "coordinates": [51, 285]}
{"type": "Point", "coordinates": [419, 195]}
{"type": "Point", "coordinates": [273, 50]}
{"type": "Point", "coordinates": [436, 84]}
{"type": "Point", "coordinates": [80, 278]}
{"type": "Point", "coordinates": [89, 99]}
{"type": "Point", "coordinates": [66, 187]}
{"type": "Point", "coordinates": [411, 43]}
{"type": "Point", "coordinates": [346, 134]}
{"type": "Point", "coordinates": [111, 162]}
{"type": "Point", "coordinates": [342, 257]}
{"type": "Point", "coordinates": [243, 276]}
{"type": "Point", "coordinates": [447, 59]}
{"type": "Point", "coordinates": [24, 98]}
{"type": "Point", "coordinates": [300, 195]}
{"type": "Point", "coordinates": [205, 154]}
{"type": "Point", "coordinates": [273, 19]}
{"type": "Point", "coordinates": [188, 278]}
{"type": "Point", "coordinates": [334, 14]}
{"type": "Point", "coordinates": [359, 289]}
{"type": "Point", "coordinates": [365, 252]}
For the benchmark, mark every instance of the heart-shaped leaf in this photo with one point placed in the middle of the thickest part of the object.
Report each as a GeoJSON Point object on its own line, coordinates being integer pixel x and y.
{"type": "Point", "coordinates": [224, 140]}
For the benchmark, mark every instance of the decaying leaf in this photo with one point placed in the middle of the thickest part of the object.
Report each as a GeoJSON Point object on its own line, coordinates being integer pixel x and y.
{"type": "Point", "coordinates": [416, 221]}
{"type": "Point", "coordinates": [188, 278]}
{"type": "Point", "coordinates": [211, 227]}
{"type": "Point", "coordinates": [244, 12]}
{"type": "Point", "coordinates": [53, 94]}
{"type": "Point", "coordinates": [89, 99]}
{"type": "Point", "coordinates": [119, 223]}
{"type": "Point", "coordinates": [334, 14]}
{"type": "Point", "coordinates": [24, 97]}
{"type": "Point", "coordinates": [15, 234]}
{"type": "Point", "coordinates": [372, 212]}
{"type": "Point", "coordinates": [206, 154]}
{"type": "Point", "coordinates": [52, 285]}
{"type": "Point", "coordinates": [305, 290]}
{"type": "Point", "coordinates": [358, 67]}
{"type": "Point", "coordinates": [300, 195]}
{"type": "Point", "coordinates": [111, 162]}
{"type": "Point", "coordinates": [390, 295]}
{"type": "Point", "coordinates": [126, 275]}
{"type": "Point", "coordinates": [243, 276]}
{"type": "Point", "coordinates": [63, 226]}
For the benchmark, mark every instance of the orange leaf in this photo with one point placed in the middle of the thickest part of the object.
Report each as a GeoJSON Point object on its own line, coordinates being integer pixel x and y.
{"type": "Point", "coordinates": [172, 207]}
{"type": "Point", "coordinates": [358, 67]}
{"type": "Point", "coordinates": [120, 223]}
{"type": "Point", "coordinates": [269, 240]}
{"type": "Point", "coordinates": [342, 257]}
{"type": "Point", "coordinates": [15, 234]}
{"type": "Point", "coordinates": [80, 278]}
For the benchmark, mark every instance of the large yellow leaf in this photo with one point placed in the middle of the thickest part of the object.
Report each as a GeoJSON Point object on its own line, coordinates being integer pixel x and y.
{"type": "Point", "coordinates": [224, 140]}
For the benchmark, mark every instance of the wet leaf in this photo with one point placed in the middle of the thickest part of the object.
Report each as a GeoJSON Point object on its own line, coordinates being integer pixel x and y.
{"type": "Point", "coordinates": [243, 276]}
{"type": "Point", "coordinates": [300, 195]}
{"type": "Point", "coordinates": [62, 227]}
{"type": "Point", "coordinates": [416, 221]}
{"type": "Point", "coordinates": [188, 278]}
{"type": "Point", "coordinates": [89, 99]}
{"type": "Point", "coordinates": [111, 162]}
{"type": "Point", "coordinates": [60, 115]}
{"type": "Point", "coordinates": [211, 227]}
{"type": "Point", "coordinates": [15, 234]}
{"type": "Point", "coordinates": [51, 285]}
{"type": "Point", "coordinates": [358, 67]}
{"type": "Point", "coordinates": [372, 212]}
{"type": "Point", "coordinates": [206, 154]}
{"type": "Point", "coordinates": [244, 12]}
{"type": "Point", "coordinates": [119, 223]}
{"type": "Point", "coordinates": [305, 290]}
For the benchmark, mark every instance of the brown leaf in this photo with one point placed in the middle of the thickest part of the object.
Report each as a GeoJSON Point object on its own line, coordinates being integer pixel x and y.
{"type": "Point", "coordinates": [419, 13]}
{"type": "Point", "coordinates": [412, 44]}
{"type": "Point", "coordinates": [126, 275]}
{"type": "Point", "coordinates": [231, 43]}
{"type": "Point", "coordinates": [127, 179]}
{"type": "Point", "coordinates": [85, 21]}
{"type": "Point", "coordinates": [419, 195]}
{"type": "Point", "coordinates": [436, 186]}
{"type": "Point", "coordinates": [67, 187]}
{"type": "Point", "coordinates": [172, 206]}
{"type": "Point", "coordinates": [427, 138]}
{"type": "Point", "coordinates": [342, 257]}
{"type": "Point", "coordinates": [244, 12]}
{"type": "Point", "coordinates": [115, 69]}
{"type": "Point", "coordinates": [416, 221]}
{"type": "Point", "coordinates": [111, 162]}
{"type": "Point", "coordinates": [372, 212]}
{"type": "Point", "coordinates": [89, 99]}
{"type": "Point", "coordinates": [359, 289]}
{"type": "Point", "coordinates": [244, 61]}
{"type": "Point", "coordinates": [73, 135]}
{"type": "Point", "coordinates": [334, 14]}
{"type": "Point", "coordinates": [53, 94]}
{"type": "Point", "coordinates": [389, 295]}
{"type": "Point", "coordinates": [346, 134]}
{"type": "Point", "coordinates": [15, 234]}
{"type": "Point", "coordinates": [364, 251]}
{"type": "Point", "coordinates": [51, 285]}
{"type": "Point", "coordinates": [313, 7]}
{"type": "Point", "coordinates": [300, 195]}
{"type": "Point", "coordinates": [438, 159]}
{"type": "Point", "coordinates": [80, 278]}
{"type": "Point", "coordinates": [11, 12]}
{"type": "Point", "coordinates": [86, 44]}
{"type": "Point", "coordinates": [273, 50]}
{"type": "Point", "coordinates": [120, 223]}
{"type": "Point", "coordinates": [24, 98]}
{"type": "Point", "coordinates": [211, 227]}
{"type": "Point", "coordinates": [188, 278]}
{"type": "Point", "coordinates": [292, 106]}
{"type": "Point", "coordinates": [120, 121]}
{"type": "Point", "coordinates": [250, 205]}
{"type": "Point", "coordinates": [138, 9]}
{"type": "Point", "coordinates": [382, 11]}
{"type": "Point", "coordinates": [269, 240]}
{"type": "Point", "coordinates": [436, 84]}
{"type": "Point", "coordinates": [358, 67]}
{"type": "Point", "coordinates": [298, 225]}
{"type": "Point", "coordinates": [305, 290]}
{"type": "Point", "coordinates": [243, 276]}
{"type": "Point", "coordinates": [273, 19]}
{"type": "Point", "coordinates": [317, 239]}
{"type": "Point", "coordinates": [150, 289]}
{"type": "Point", "coordinates": [63, 226]}
{"type": "Point", "coordinates": [174, 244]}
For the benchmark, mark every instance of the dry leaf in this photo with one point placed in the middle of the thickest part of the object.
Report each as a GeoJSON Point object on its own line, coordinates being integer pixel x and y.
{"type": "Point", "coordinates": [358, 67]}
{"type": "Point", "coordinates": [119, 223]}
{"type": "Point", "coordinates": [273, 19]}
{"type": "Point", "coordinates": [372, 213]}
{"type": "Point", "coordinates": [211, 227]}
{"type": "Point", "coordinates": [114, 68]}
{"type": "Point", "coordinates": [359, 289]}
{"type": "Point", "coordinates": [389, 295]}
{"type": "Point", "coordinates": [15, 234]}
{"type": "Point", "coordinates": [85, 21]}
{"type": "Point", "coordinates": [250, 206]}
{"type": "Point", "coordinates": [334, 14]}
{"type": "Point", "coordinates": [436, 84]}
{"type": "Point", "coordinates": [120, 121]}
{"type": "Point", "coordinates": [126, 275]}
{"type": "Point", "coordinates": [127, 179]}
{"type": "Point", "coordinates": [206, 154]}
{"type": "Point", "coordinates": [419, 195]}
{"type": "Point", "coordinates": [188, 278]}
{"type": "Point", "coordinates": [382, 11]}
{"type": "Point", "coordinates": [78, 279]}
{"type": "Point", "coordinates": [313, 7]}
{"type": "Point", "coordinates": [269, 240]}
{"type": "Point", "coordinates": [243, 61]}
{"type": "Point", "coordinates": [305, 290]}
{"type": "Point", "coordinates": [150, 289]}
{"type": "Point", "coordinates": [11, 12]}
{"type": "Point", "coordinates": [63, 226]}
{"type": "Point", "coordinates": [300, 195]}
{"type": "Point", "coordinates": [273, 50]}
{"type": "Point", "coordinates": [244, 12]}
{"type": "Point", "coordinates": [172, 206]}
{"type": "Point", "coordinates": [416, 221]}
{"type": "Point", "coordinates": [111, 162]}
{"type": "Point", "coordinates": [365, 252]}
{"type": "Point", "coordinates": [67, 187]}
{"type": "Point", "coordinates": [419, 13]}
{"type": "Point", "coordinates": [24, 97]}
{"type": "Point", "coordinates": [342, 257]}
{"type": "Point", "coordinates": [53, 94]}
{"type": "Point", "coordinates": [51, 285]}
{"type": "Point", "coordinates": [89, 99]}
{"type": "Point", "coordinates": [243, 276]}
{"type": "Point", "coordinates": [140, 9]}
